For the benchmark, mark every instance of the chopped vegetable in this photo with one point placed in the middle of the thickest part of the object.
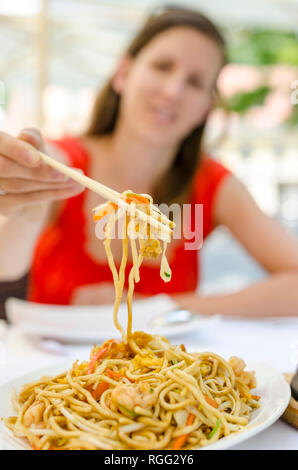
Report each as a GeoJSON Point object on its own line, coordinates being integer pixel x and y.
{"type": "Point", "coordinates": [181, 417]}
{"type": "Point", "coordinates": [108, 209]}
{"type": "Point", "coordinates": [102, 387]}
{"type": "Point", "coordinates": [116, 375]}
{"type": "Point", "coordinates": [255, 397]}
{"type": "Point", "coordinates": [210, 401]}
{"type": "Point", "coordinates": [95, 358]}
{"type": "Point", "coordinates": [211, 434]}
{"type": "Point", "coordinates": [99, 354]}
{"type": "Point", "coordinates": [133, 197]}
{"type": "Point", "coordinates": [167, 274]}
{"type": "Point", "coordinates": [127, 412]}
{"type": "Point", "coordinates": [151, 390]}
{"type": "Point", "coordinates": [180, 441]}
{"type": "Point", "coordinates": [113, 374]}
{"type": "Point", "coordinates": [177, 366]}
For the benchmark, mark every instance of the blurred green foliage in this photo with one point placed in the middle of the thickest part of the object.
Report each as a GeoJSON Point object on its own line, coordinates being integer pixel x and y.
{"type": "Point", "coordinates": [293, 119]}
{"type": "Point", "coordinates": [260, 48]}
{"type": "Point", "coordinates": [241, 102]}
{"type": "Point", "coordinates": [257, 47]}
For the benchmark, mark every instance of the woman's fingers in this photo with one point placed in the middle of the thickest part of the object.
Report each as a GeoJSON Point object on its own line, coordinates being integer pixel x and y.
{"type": "Point", "coordinates": [19, 186]}
{"type": "Point", "coordinates": [19, 158]}
{"type": "Point", "coordinates": [18, 151]}
{"type": "Point", "coordinates": [11, 202]}
{"type": "Point", "coordinates": [11, 169]}
{"type": "Point", "coordinates": [33, 137]}
{"type": "Point", "coordinates": [24, 179]}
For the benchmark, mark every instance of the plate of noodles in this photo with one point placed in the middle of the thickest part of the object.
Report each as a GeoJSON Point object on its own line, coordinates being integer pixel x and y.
{"type": "Point", "coordinates": [165, 399]}
{"type": "Point", "coordinates": [140, 392]}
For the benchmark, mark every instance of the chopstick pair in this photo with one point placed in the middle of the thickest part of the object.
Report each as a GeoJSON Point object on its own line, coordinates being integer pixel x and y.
{"type": "Point", "coordinates": [163, 224]}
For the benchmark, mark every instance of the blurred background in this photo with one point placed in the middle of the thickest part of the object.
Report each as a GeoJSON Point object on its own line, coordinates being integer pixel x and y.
{"type": "Point", "coordinates": [55, 55]}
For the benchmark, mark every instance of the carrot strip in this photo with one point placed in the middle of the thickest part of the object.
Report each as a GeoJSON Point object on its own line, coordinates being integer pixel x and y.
{"type": "Point", "coordinates": [116, 375]}
{"type": "Point", "coordinates": [113, 374]}
{"type": "Point", "coordinates": [210, 401]}
{"type": "Point", "coordinates": [101, 216]}
{"type": "Point", "coordinates": [255, 397]}
{"type": "Point", "coordinates": [102, 387]}
{"type": "Point", "coordinates": [131, 197]}
{"type": "Point", "coordinates": [95, 358]}
{"type": "Point", "coordinates": [106, 211]}
{"type": "Point", "coordinates": [180, 441]}
{"type": "Point", "coordinates": [99, 354]}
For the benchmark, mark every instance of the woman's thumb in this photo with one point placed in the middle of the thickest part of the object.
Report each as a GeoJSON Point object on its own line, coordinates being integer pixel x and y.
{"type": "Point", "coordinates": [32, 136]}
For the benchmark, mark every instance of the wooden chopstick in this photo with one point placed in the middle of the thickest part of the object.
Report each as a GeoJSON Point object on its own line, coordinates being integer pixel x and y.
{"type": "Point", "coordinates": [105, 192]}
{"type": "Point", "coordinates": [154, 213]}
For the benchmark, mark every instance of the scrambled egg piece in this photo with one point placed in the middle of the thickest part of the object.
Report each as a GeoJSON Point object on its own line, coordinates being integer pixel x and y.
{"type": "Point", "coordinates": [149, 361]}
{"type": "Point", "coordinates": [150, 248]}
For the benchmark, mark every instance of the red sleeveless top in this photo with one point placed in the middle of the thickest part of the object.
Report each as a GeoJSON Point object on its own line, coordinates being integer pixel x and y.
{"type": "Point", "coordinates": [60, 263]}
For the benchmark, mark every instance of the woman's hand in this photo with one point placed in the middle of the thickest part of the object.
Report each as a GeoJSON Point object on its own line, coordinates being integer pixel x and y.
{"type": "Point", "coordinates": [24, 179]}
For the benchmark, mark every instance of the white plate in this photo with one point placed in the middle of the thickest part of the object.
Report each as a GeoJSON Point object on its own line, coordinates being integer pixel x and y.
{"type": "Point", "coordinates": [94, 323]}
{"type": "Point", "coordinates": [274, 391]}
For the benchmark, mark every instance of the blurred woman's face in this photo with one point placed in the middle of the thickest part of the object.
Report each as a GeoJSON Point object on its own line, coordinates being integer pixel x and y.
{"type": "Point", "coordinates": [167, 90]}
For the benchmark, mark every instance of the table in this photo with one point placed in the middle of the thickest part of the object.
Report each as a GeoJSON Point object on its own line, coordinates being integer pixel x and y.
{"type": "Point", "coordinates": [274, 341]}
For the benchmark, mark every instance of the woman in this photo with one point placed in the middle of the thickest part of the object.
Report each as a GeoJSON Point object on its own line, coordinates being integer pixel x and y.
{"type": "Point", "coordinates": [145, 135]}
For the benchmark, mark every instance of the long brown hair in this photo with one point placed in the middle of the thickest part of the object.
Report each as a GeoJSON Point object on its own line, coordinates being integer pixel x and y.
{"type": "Point", "coordinates": [174, 186]}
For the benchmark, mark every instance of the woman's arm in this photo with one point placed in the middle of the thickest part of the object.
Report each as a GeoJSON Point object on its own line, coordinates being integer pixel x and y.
{"type": "Point", "coordinates": [269, 243]}
{"type": "Point", "coordinates": [276, 296]}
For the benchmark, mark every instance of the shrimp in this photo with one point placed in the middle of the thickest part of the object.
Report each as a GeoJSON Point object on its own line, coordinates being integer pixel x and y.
{"type": "Point", "coordinates": [130, 396]}
{"type": "Point", "coordinates": [238, 366]}
{"type": "Point", "coordinates": [249, 379]}
{"type": "Point", "coordinates": [34, 414]}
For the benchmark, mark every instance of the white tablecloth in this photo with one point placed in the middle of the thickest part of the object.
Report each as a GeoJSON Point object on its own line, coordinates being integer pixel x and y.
{"type": "Point", "coordinates": [272, 341]}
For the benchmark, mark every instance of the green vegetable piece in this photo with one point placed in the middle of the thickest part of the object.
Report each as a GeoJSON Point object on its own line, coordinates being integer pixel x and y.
{"type": "Point", "coordinates": [167, 274]}
{"type": "Point", "coordinates": [129, 413]}
{"type": "Point", "coordinates": [211, 434]}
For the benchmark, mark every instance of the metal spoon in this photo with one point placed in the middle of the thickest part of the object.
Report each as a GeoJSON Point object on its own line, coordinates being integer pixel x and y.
{"type": "Point", "coordinates": [172, 317]}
